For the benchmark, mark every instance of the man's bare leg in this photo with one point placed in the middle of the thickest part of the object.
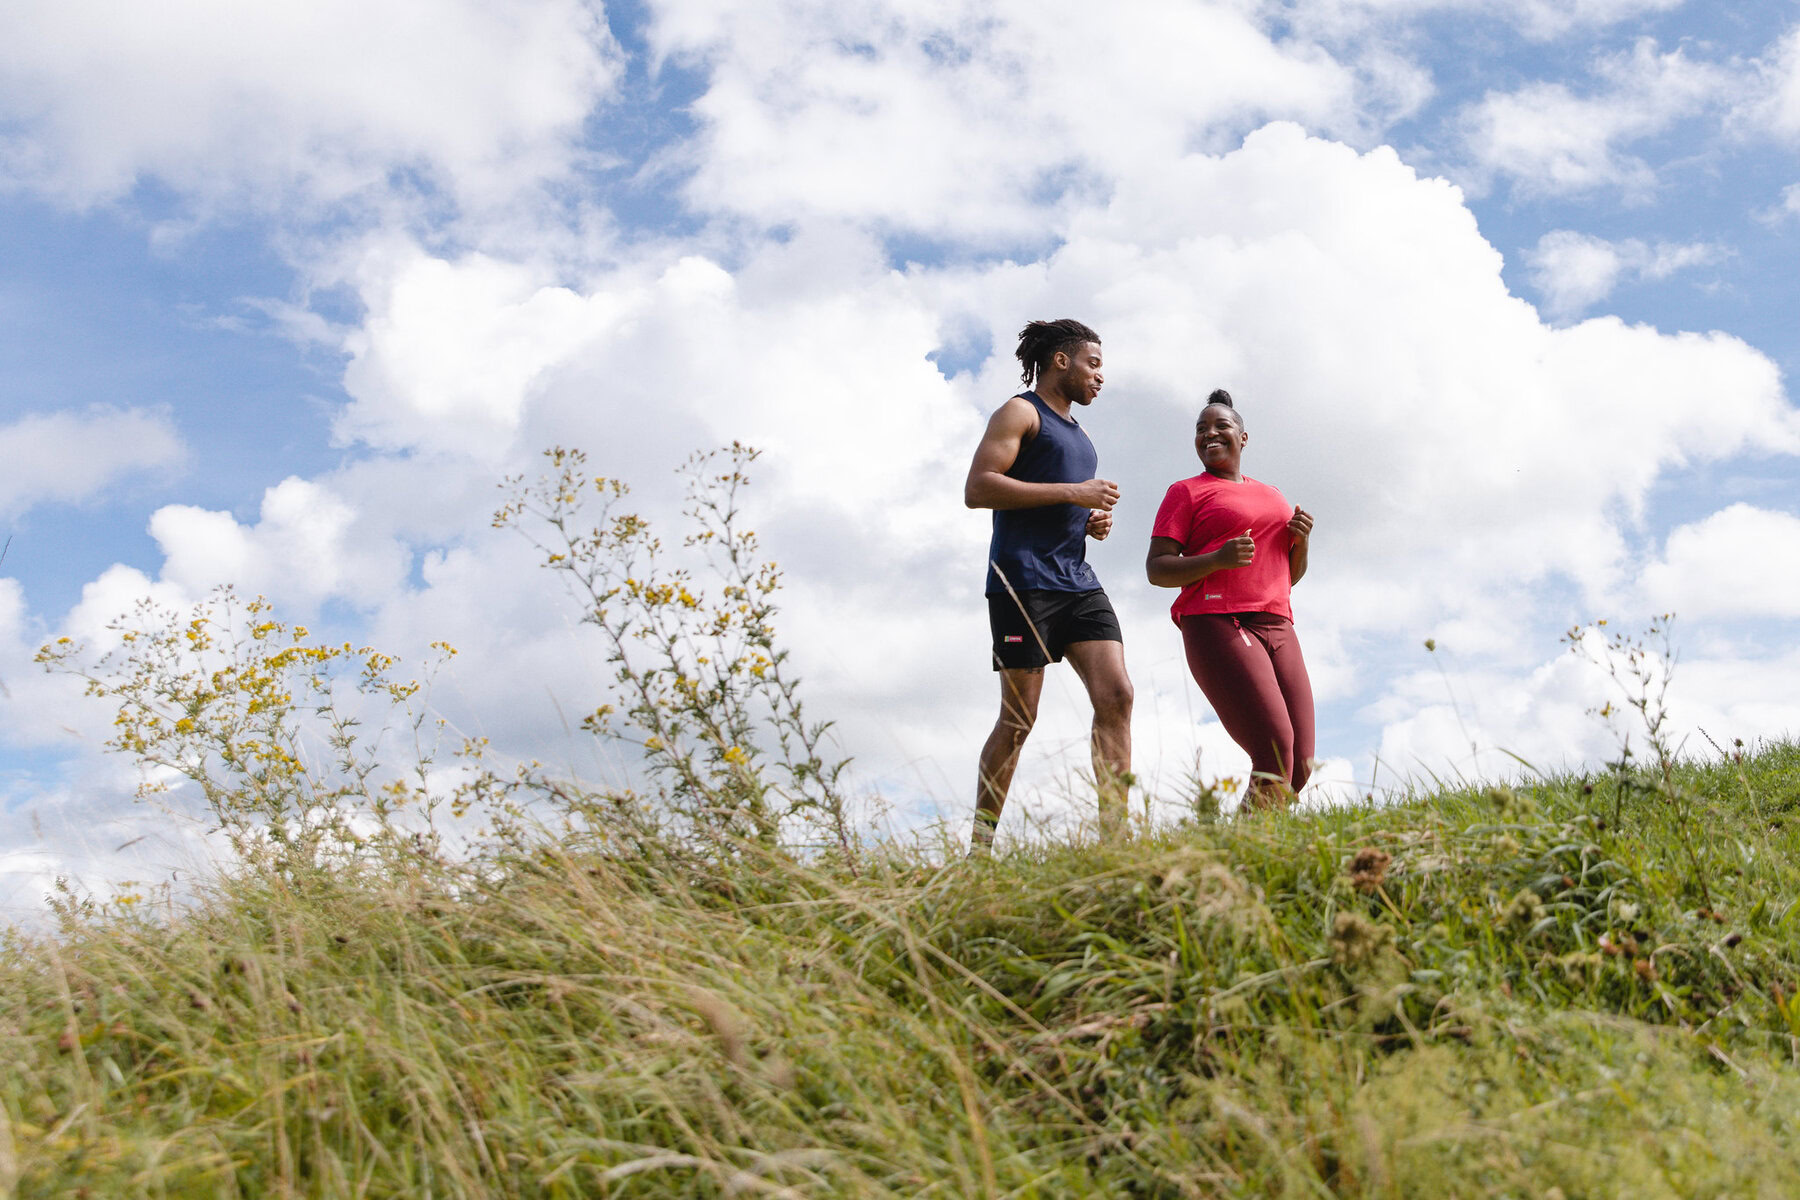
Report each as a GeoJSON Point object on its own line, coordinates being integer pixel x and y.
{"type": "Point", "coordinates": [1019, 692]}
{"type": "Point", "coordinates": [1101, 666]}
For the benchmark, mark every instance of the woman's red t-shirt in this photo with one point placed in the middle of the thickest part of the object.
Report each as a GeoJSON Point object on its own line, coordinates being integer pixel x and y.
{"type": "Point", "coordinates": [1202, 513]}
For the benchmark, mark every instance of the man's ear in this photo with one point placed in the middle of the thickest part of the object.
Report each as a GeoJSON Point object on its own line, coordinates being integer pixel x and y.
{"type": "Point", "coordinates": [1061, 360]}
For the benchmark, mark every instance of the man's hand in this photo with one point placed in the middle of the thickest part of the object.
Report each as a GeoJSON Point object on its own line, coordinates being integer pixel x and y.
{"type": "Point", "coordinates": [1097, 494]}
{"type": "Point", "coordinates": [1099, 524]}
{"type": "Point", "coordinates": [1238, 552]}
{"type": "Point", "coordinates": [1300, 525]}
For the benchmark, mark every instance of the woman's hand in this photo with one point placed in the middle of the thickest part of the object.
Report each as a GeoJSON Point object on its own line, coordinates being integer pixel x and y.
{"type": "Point", "coordinates": [1239, 551]}
{"type": "Point", "coordinates": [1299, 536]}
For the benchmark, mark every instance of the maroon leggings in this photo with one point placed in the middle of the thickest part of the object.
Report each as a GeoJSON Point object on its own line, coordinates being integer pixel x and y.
{"type": "Point", "coordinates": [1249, 667]}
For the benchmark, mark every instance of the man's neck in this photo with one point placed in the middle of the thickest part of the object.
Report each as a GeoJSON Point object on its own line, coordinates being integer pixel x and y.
{"type": "Point", "coordinates": [1052, 396]}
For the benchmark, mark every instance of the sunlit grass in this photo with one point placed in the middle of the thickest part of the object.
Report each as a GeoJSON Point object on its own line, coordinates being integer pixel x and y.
{"type": "Point", "coordinates": [1474, 993]}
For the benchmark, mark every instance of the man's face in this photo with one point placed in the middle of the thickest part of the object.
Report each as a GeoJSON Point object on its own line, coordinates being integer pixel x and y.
{"type": "Point", "coordinates": [1083, 380]}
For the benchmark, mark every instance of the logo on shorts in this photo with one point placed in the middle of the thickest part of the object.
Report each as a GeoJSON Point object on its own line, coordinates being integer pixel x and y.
{"type": "Point", "coordinates": [1013, 637]}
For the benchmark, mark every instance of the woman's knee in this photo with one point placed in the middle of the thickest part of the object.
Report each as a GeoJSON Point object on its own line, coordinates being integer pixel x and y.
{"type": "Point", "coordinates": [1274, 756]}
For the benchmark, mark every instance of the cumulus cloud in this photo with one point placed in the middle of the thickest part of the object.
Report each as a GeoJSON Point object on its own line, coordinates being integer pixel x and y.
{"type": "Point", "coordinates": [305, 548]}
{"type": "Point", "coordinates": [1568, 714]}
{"type": "Point", "coordinates": [449, 352]}
{"type": "Point", "coordinates": [70, 456]}
{"type": "Point", "coordinates": [1776, 108]}
{"type": "Point", "coordinates": [1787, 207]}
{"type": "Point", "coordinates": [1738, 562]}
{"type": "Point", "coordinates": [313, 102]}
{"type": "Point", "coordinates": [1549, 140]}
{"type": "Point", "coordinates": [80, 835]}
{"type": "Point", "coordinates": [1475, 472]}
{"type": "Point", "coordinates": [1467, 723]}
{"type": "Point", "coordinates": [1377, 335]}
{"type": "Point", "coordinates": [41, 711]}
{"type": "Point", "coordinates": [1540, 20]}
{"type": "Point", "coordinates": [944, 118]}
{"type": "Point", "coordinates": [1574, 271]}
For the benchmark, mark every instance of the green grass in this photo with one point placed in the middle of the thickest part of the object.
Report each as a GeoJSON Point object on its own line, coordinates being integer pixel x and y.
{"type": "Point", "coordinates": [1506, 994]}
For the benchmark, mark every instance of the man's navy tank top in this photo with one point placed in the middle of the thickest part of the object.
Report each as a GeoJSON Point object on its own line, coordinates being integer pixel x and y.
{"type": "Point", "coordinates": [1045, 548]}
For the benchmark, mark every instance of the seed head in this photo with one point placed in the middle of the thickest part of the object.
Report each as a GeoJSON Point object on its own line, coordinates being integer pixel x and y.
{"type": "Point", "coordinates": [1524, 908]}
{"type": "Point", "coordinates": [1356, 940]}
{"type": "Point", "coordinates": [1369, 868]}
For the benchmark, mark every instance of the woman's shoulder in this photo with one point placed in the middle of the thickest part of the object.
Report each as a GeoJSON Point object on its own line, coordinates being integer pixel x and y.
{"type": "Point", "coordinates": [1194, 483]}
{"type": "Point", "coordinates": [1190, 489]}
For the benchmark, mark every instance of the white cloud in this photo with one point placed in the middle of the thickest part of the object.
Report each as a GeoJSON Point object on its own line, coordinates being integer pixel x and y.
{"type": "Point", "coordinates": [315, 102]}
{"type": "Point", "coordinates": [1480, 725]}
{"type": "Point", "coordinates": [1378, 337]}
{"type": "Point", "coordinates": [78, 823]}
{"type": "Point", "coordinates": [1469, 724]}
{"type": "Point", "coordinates": [1574, 271]}
{"type": "Point", "coordinates": [1776, 109]}
{"type": "Point", "coordinates": [70, 456]}
{"type": "Point", "coordinates": [40, 710]}
{"type": "Point", "coordinates": [1790, 203]}
{"type": "Point", "coordinates": [1551, 141]}
{"type": "Point", "coordinates": [80, 833]}
{"type": "Point", "coordinates": [1540, 20]}
{"type": "Point", "coordinates": [449, 352]}
{"type": "Point", "coordinates": [1766, 106]}
{"type": "Point", "coordinates": [953, 118]}
{"type": "Point", "coordinates": [306, 548]}
{"type": "Point", "coordinates": [1738, 562]}
{"type": "Point", "coordinates": [1475, 472]}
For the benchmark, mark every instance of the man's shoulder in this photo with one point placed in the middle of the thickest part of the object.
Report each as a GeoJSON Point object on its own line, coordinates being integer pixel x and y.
{"type": "Point", "coordinates": [1019, 412]}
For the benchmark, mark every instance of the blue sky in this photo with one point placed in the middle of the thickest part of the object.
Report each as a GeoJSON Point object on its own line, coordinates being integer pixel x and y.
{"type": "Point", "coordinates": [1506, 287]}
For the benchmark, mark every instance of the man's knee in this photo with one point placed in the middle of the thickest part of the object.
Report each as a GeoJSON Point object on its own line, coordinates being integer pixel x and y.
{"type": "Point", "coordinates": [1112, 702]}
{"type": "Point", "coordinates": [1016, 721]}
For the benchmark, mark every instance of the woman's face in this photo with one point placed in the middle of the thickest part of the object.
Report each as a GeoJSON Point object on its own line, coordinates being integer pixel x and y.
{"type": "Point", "coordinates": [1219, 439]}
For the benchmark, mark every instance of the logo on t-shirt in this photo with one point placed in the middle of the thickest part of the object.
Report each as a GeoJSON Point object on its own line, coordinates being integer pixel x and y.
{"type": "Point", "coordinates": [1013, 637]}
{"type": "Point", "coordinates": [1215, 595]}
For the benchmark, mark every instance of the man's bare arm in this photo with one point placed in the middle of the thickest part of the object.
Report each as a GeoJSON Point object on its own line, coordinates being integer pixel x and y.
{"type": "Point", "coordinates": [989, 486]}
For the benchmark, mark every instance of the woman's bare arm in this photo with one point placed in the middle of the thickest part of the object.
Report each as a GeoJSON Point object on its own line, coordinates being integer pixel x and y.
{"type": "Point", "coordinates": [1167, 566]}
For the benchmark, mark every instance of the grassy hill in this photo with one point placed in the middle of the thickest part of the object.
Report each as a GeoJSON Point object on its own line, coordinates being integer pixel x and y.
{"type": "Point", "coordinates": [1478, 993]}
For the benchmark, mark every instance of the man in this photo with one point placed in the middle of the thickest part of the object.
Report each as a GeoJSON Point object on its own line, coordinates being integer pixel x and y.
{"type": "Point", "coordinates": [1035, 469]}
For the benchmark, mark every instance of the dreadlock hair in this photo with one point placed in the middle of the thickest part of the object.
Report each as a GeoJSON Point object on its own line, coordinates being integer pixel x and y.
{"type": "Point", "coordinates": [1040, 340]}
{"type": "Point", "coordinates": [1222, 398]}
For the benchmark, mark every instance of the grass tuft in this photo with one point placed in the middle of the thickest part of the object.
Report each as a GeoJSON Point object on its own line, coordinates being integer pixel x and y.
{"type": "Point", "coordinates": [1482, 992]}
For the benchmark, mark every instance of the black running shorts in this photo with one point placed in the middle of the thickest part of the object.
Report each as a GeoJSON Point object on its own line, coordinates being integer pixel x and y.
{"type": "Point", "coordinates": [1035, 628]}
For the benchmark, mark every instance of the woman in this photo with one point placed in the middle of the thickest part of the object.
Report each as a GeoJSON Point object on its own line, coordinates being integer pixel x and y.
{"type": "Point", "coordinates": [1235, 548]}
